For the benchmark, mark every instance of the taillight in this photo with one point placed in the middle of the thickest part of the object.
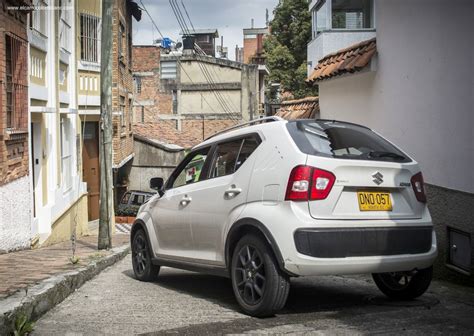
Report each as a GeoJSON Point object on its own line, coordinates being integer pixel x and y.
{"type": "Point", "coordinates": [309, 183]}
{"type": "Point", "coordinates": [322, 184]}
{"type": "Point", "coordinates": [298, 184]}
{"type": "Point", "coordinates": [418, 187]}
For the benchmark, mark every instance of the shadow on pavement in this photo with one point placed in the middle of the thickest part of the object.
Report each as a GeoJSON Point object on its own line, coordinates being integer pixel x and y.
{"type": "Point", "coordinates": [321, 294]}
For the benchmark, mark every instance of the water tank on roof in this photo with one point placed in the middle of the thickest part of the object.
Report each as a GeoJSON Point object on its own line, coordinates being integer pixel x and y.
{"type": "Point", "coordinates": [166, 43]}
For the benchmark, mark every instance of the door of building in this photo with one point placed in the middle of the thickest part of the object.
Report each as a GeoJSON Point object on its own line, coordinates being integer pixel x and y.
{"type": "Point", "coordinates": [90, 167]}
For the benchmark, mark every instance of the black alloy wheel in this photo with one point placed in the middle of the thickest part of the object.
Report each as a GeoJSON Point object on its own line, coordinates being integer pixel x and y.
{"type": "Point", "coordinates": [260, 286]}
{"type": "Point", "coordinates": [404, 285]}
{"type": "Point", "coordinates": [141, 258]}
{"type": "Point", "coordinates": [250, 275]}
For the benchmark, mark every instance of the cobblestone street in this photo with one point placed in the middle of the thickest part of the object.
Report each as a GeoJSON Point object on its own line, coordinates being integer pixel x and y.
{"type": "Point", "coordinates": [181, 302]}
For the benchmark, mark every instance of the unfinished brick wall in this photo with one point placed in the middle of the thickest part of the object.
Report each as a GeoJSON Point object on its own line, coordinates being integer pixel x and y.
{"type": "Point", "coordinates": [151, 99]}
{"type": "Point", "coordinates": [14, 136]}
{"type": "Point", "coordinates": [122, 82]}
{"type": "Point", "coordinates": [196, 128]}
{"type": "Point", "coordinates": [250, 49]}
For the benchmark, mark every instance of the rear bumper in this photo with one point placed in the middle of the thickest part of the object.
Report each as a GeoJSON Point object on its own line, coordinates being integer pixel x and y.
{"type": "Point", "coordinates": [305, 265]}
{"type": "Point", "coordinates": [363, 242]}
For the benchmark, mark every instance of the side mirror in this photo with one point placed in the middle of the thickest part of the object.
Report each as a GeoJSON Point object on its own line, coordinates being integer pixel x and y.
{"type": "Point", "coordinates": [156, 183]}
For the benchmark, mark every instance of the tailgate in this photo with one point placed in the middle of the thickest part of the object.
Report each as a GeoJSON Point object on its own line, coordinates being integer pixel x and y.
{"type": "Point", "coordinates": [367, 190]}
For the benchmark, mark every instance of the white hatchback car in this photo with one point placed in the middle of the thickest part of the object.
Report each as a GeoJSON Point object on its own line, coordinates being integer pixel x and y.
{"type": "Point", "coordinates": [273, 199]}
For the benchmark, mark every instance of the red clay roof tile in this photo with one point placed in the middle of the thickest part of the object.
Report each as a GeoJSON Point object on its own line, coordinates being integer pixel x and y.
{"type": "Point", "coordinates": [305, 108]}
{"type": "Point", "coordinates": [348, 60]}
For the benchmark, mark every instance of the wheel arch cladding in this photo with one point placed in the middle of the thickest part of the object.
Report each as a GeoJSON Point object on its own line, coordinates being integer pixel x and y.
{"type": "Point", "coordinates": [250, 225]}
{"type": "Point", "coordinates": [137, 225]}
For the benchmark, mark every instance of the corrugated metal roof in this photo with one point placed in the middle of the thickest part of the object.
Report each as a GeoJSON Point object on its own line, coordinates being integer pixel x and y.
{"type": "Point", "coordinates": [202, 31]}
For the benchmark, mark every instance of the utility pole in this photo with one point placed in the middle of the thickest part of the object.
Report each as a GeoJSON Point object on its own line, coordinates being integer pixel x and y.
{"type": "Point", "coordinates": [105, 146]}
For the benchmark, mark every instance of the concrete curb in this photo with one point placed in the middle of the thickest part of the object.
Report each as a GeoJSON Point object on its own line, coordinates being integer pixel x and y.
{"type": "Point", "coordinates": [40, 298]}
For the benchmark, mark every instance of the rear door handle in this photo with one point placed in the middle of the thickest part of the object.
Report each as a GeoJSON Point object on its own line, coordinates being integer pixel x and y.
{"type": "Point", "coordinates": [232, 191]}
{"type": "Point", "coordinates": [185, 200]}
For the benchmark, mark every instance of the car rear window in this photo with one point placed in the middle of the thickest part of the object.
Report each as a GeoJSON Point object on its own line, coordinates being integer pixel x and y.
{"type": "Point", "coordinates": [342, 140]}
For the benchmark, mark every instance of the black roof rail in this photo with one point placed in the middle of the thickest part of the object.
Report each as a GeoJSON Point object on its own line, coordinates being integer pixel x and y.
{"type": "Point", "coordinates": [248, 123]}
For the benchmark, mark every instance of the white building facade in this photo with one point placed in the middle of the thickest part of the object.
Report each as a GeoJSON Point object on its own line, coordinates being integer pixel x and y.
{"type": "Point", "coordinates": [418, 91]}
{"type": "Point", "coordinates": [55, 166]}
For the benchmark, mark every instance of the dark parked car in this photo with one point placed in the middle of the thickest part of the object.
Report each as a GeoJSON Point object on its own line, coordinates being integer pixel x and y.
{"type": "Point", "coordinates": [131, 202]}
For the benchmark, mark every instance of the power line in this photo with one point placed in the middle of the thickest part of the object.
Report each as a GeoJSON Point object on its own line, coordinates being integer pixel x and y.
{"type": "Point", "coordinates": [204, 68]}
{"type": "Point", "coordinates": [178, 60]}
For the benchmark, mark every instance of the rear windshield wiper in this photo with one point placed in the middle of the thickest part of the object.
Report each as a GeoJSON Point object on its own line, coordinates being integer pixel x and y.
{"type": "Point", "coordinates": [376, 154]}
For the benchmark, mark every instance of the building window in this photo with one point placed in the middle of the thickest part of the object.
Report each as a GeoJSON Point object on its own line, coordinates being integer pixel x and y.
{"type": "Point", "coordinates": [130, 114]}
{"type": "Point", "coordinates": [62, 75]}
{"type": "Point", "coordinates": [129, 45]}
{"type": "Point", "coordinates": [38, 17]}
{"type": "Point", "coordinates": [352, 14]}
{"type": "Point", "coordinates": [15, 83]}
{"type": "Point", "coordinates": [342, 14]}
{"type": "Point", "coordinates": [203, 38]}
{"type": "Point", "coordinates": [137, 80]}
{"type": "Point", "coordinates": [121, 43]}
{"type": "Point", "coordinates": [168, 69]}
{"type": "Point", "coordinates": [175, 102]}
{"type": "Point", "coordinates": [90, 49]}
{"type": "Point", "coordinates": [67, 138]}
{"type": "Point", "coordinates": [65, 25]}
{"type": "Point", "coordinates": [122, 113]}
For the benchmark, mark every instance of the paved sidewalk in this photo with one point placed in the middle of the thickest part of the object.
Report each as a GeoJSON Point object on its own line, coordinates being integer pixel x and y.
{"type": "Point", "coordinates": [19, 270]}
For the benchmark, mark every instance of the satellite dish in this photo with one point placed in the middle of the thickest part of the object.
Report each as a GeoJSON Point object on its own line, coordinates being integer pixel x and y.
{"type": "Point", "coordinates": [179, 45]}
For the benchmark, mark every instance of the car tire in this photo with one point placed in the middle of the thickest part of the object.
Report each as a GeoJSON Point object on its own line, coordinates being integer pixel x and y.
{"type": "Point", "coordinates": [141, 258]}
{"type": "Point", "coordinates": [260, 287]}
{"type": "Point", "coordinates": [403, 285]}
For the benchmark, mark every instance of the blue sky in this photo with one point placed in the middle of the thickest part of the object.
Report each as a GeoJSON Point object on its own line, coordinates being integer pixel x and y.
{"type": "Point", "coordinates": [228, 16]}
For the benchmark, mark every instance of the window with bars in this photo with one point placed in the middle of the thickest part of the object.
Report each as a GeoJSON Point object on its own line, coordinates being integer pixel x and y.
{"type": "Point", "coordinates": [138, 84]}
{"type": "Point", "coordinates": [38, 18]}
{"type": "Point", "coordinates": [90, 49]}
{"type": "Point", "coordinates": [16, 83]}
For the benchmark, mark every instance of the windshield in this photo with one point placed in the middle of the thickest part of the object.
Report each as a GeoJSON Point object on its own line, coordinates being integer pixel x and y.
{"type": "Point", "coordinates": [342, 140]}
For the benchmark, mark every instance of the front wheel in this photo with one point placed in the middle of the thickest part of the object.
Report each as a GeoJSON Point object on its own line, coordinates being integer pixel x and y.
{"type": "Point", "coordinates": [260, 287]}
{"type": "Point", "coordinates": [404, 285]}
{"type": "Point", "coordinates": [141, 258]}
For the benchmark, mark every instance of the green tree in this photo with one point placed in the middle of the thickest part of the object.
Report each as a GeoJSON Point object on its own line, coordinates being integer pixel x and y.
{"type": "Point", "coordinates": [286, 46]}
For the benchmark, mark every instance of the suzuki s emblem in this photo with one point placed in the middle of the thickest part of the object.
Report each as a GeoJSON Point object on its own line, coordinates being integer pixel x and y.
{"type": "Point", "coordinates": [378, 178]}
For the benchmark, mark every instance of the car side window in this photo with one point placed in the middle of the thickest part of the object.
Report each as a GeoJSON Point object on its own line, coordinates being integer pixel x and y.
{"type": "Point", "coordinates": [248, 147]}
{"type": "Point", "coordinates": [191, 172]}
{"type": "Point", "coordinates": [231, 155]}
{"type": "Point", "coordinates": [138, 200]}
{"type": "Point", "coordinates": [226, 158]}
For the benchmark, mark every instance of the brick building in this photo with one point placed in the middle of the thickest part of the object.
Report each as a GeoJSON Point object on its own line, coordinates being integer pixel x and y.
{"type": "Point", "coordinates": [253, 53]}
{"type": "Point", "coordinates": [150, 100]}
{"type": "Point", "coordinates": [122, 92]}
{"type": "Point", "coordinates": [173, 91]}
{"type": "Point", "coordinates": [15, 200]}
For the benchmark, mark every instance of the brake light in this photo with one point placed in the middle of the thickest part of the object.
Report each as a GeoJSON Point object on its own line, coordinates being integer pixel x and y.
{"type": "Point", "coordinates": [298, 184]}
{"type": "Point", "coordinates": [418, 187]}
{"type": "Point", "coordinates": [309, 183]}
